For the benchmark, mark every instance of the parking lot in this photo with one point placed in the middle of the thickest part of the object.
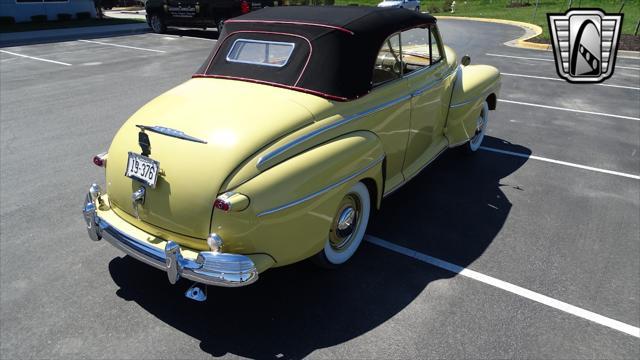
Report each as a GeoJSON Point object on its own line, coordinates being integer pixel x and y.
{"type": "Point", "coordinates": [530, 248]}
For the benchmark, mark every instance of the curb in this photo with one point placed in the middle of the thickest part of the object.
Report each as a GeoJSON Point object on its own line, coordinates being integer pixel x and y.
{"type": "Point", "coordinates": [531, 31]}
{"type": "Point", "coordinates": [69, 34]}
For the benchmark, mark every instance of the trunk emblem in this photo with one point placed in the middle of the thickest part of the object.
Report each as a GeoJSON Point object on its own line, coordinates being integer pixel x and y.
{"type": "Point", "coordinates": [168, 132]}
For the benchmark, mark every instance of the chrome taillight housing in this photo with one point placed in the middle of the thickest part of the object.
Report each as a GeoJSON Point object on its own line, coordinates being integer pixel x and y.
{"type": "Point", "coordinates": [231, 201]}
{"type": "Point", "coordinates": [100, 160]}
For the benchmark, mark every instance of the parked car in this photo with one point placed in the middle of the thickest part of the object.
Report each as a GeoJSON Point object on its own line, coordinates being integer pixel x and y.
{"type": "Point", "coordinates": [402, 4]}
{"type": "Point", "coordinates": [279, 148]}
{"type": "Point", "coordinates": [198, 13]}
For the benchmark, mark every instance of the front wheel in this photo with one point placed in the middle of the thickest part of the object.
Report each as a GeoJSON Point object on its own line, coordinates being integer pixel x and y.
{"type": "Point", "coordinates": [481, 129]}
{"type": "Point", "coordinates": [347, 228]}
{"type": "Point", "coordinates": [157, 24]}
{"type": "Point", "coordinates": [417, 8]}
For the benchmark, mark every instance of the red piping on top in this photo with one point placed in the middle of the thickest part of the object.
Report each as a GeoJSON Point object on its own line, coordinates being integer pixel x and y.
{"type": "Point", "coordinates": [308, 91]}
{"type": "Point", "coordinates": [293, 23]}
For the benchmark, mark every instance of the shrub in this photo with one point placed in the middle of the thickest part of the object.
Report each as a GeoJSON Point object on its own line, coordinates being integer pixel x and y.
{"type": "Point", "coordinates": [433, 9]}
{"type": "Point", "coordinates": [84, 15]}
{"type": "Point", "coordinates": [446, 5]}
{"type": "Point", "coordinates": [7, 20]}
{"type": "Point", "coordinates": [39, 18]}
{"type": "Point", "coordinates": [64, 17]}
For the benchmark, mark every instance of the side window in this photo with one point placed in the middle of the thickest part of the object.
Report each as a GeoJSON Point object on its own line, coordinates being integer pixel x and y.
{"type": "Point", "coordinates": [435, 47]}
{"type": "Point", "coordinates": [420, 48]}
{"type": "Point", "coordinates": [388, 63]}
{"type": "Point", "coordinates": [415, 49]}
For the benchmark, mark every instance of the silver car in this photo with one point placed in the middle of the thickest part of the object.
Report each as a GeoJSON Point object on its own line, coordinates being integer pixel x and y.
{"type": "Point", "coordinates": [407, 4]}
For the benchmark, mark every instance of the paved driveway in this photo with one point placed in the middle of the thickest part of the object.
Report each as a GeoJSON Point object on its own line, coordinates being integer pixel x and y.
{"type": "Point", "coordinates": [528, 249]}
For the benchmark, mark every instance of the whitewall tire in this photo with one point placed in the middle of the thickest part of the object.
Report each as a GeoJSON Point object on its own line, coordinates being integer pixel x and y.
{"type": "Point", "coordinates": [348, 228]}
{"type": "Point", "coordinates": [481, 128]}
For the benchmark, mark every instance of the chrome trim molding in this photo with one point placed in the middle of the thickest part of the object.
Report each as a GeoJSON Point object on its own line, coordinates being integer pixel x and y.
{"type": "Point", "coordinates": [483, 95]}
{"type": "Point", "coordinates": [326, 128]}
{"type": "Point", "coordinates": [391, 191]}
{"type": "Point", "coordinates": [211, 268]}
{"type": "Point", "coordinates": [170, 132]}
{"type": "Point", "coordinates": [349, 119]}
{"type": "Point", "coordinates": [323, 190]}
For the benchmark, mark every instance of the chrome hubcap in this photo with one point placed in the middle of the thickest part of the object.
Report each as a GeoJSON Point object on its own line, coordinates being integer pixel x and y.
{"type": "Point", "coordinates": [345, 222]}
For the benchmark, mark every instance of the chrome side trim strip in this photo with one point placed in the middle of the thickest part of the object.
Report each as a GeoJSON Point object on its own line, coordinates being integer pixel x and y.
{"type": "Point", "coordinates": [348, 119]}
{"type": "Point", "coordinates": [324, 129]}
{"type": "Point", "coordinates": [170, 132]}
{"type": "Point", "coordinates": [416, 173]}
{"type": "Point", "coordinates": [483, 95]}
{"type": "Point", "coordinates": [323, 190]}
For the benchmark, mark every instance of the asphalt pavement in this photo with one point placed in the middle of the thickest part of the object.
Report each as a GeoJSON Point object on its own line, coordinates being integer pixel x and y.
{"type": "Point", "coordinates": [543, 221]}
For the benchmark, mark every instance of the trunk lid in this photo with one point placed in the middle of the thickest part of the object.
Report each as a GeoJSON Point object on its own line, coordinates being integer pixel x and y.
{"type": "Point", "coordinates": [235, 118]}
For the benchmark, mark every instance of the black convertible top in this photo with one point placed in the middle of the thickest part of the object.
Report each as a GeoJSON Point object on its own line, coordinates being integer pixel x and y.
{"type": "Point", "coordinates": [335, 47]}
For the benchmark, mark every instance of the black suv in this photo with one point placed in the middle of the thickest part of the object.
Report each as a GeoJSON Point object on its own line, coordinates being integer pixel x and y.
{"type": "Point", "coordinates": [198, 13]}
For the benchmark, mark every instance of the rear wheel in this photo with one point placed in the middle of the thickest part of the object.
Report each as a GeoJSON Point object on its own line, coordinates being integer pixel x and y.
{"type": "Point", "coordinates": [347, 228]}
{"type": "Point", "coordinates": [157, 24]}
{"type": "Point", "coordinates": [481, 128]}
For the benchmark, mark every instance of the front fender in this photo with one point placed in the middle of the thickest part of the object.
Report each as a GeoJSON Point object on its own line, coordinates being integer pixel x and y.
{"type": "Point", "coordinates": [293, 203]}
{"type": "Point", "coordinates": [473, 86]}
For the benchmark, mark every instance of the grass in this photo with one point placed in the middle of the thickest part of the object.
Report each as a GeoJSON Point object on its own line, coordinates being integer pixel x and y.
{"type": "Point", "coordinates": [498, 9]}
{"type": "Point", "coordinates": [30, 26]}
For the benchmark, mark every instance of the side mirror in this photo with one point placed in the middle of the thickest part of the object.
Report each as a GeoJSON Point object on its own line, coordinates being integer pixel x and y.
{"type": "Point", "coordinates": [466, 60]}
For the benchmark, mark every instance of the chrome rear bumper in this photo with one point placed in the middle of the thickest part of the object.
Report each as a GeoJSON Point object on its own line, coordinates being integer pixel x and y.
{"type": "Point", "coordinates": [211, 268]}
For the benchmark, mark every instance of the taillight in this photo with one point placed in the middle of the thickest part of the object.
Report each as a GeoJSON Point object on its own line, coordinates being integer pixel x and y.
{"type": "Point", "coordinates": [231, 201]}
{"type": "Point", "coordinates": [244, 6]}
{"type": "Point", "coordinates": [100, 160]}
{"type": "Point", "coordinates": [222, 204]}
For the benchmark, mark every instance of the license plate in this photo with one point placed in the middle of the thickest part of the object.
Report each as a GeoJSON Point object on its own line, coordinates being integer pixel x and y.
{"type": "Point", "coordinates": [143, 169]}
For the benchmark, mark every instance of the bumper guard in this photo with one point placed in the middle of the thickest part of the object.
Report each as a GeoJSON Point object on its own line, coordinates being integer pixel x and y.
{"type": "Point", "coordinates": [211, 268]}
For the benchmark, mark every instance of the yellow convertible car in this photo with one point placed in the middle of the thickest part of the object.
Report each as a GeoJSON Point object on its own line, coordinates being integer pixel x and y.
{"type": "Point", "coordinates": [279, 148]}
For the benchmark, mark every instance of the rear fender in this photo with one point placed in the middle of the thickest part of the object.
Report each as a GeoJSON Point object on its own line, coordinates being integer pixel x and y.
{"type": "Point", "coordinates": [474, 85]}
{"type": "Point", "coordinates": [293, 203]}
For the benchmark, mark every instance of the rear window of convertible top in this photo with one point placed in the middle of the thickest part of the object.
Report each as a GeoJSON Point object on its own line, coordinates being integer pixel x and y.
{"type": "Point", "coordinates": [260, 52]}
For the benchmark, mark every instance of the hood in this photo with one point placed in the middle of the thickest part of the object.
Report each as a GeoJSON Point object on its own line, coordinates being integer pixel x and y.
{"type": "Point", "coordinates": [234, 118]}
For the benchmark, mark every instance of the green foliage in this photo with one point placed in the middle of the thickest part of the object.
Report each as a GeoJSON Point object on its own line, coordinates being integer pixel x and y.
{"type": "Point", "coordinates": [519, 11]}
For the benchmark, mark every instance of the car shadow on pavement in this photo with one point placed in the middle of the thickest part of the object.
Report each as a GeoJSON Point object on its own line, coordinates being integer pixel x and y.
{"type": "Point", "coordinates": [453, 210]}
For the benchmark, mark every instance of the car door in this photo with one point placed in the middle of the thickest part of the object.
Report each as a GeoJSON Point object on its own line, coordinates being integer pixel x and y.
{"type": "Point", "coordinates": [389, 108]}
{"type": "Point", "coordinates": [429, 81]}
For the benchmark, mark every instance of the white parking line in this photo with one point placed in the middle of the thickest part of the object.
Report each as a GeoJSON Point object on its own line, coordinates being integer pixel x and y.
{"type": "Point", "coordinates": [35, 58]}
{"type": "Point", "coordinates": [557, 79]}
{"type": "Point", "coordinates": [503, 285]}
{"type": "Point", "coordinates": [552, 60]}
{"type": "Point", "coordinates": [567, 109]}
{"type": "Point", "coordinates": [122, 46]}
{"type": "Point", "coordinates": [183, 36]}
{"type": "Point", "coordinates": [559, 162]}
